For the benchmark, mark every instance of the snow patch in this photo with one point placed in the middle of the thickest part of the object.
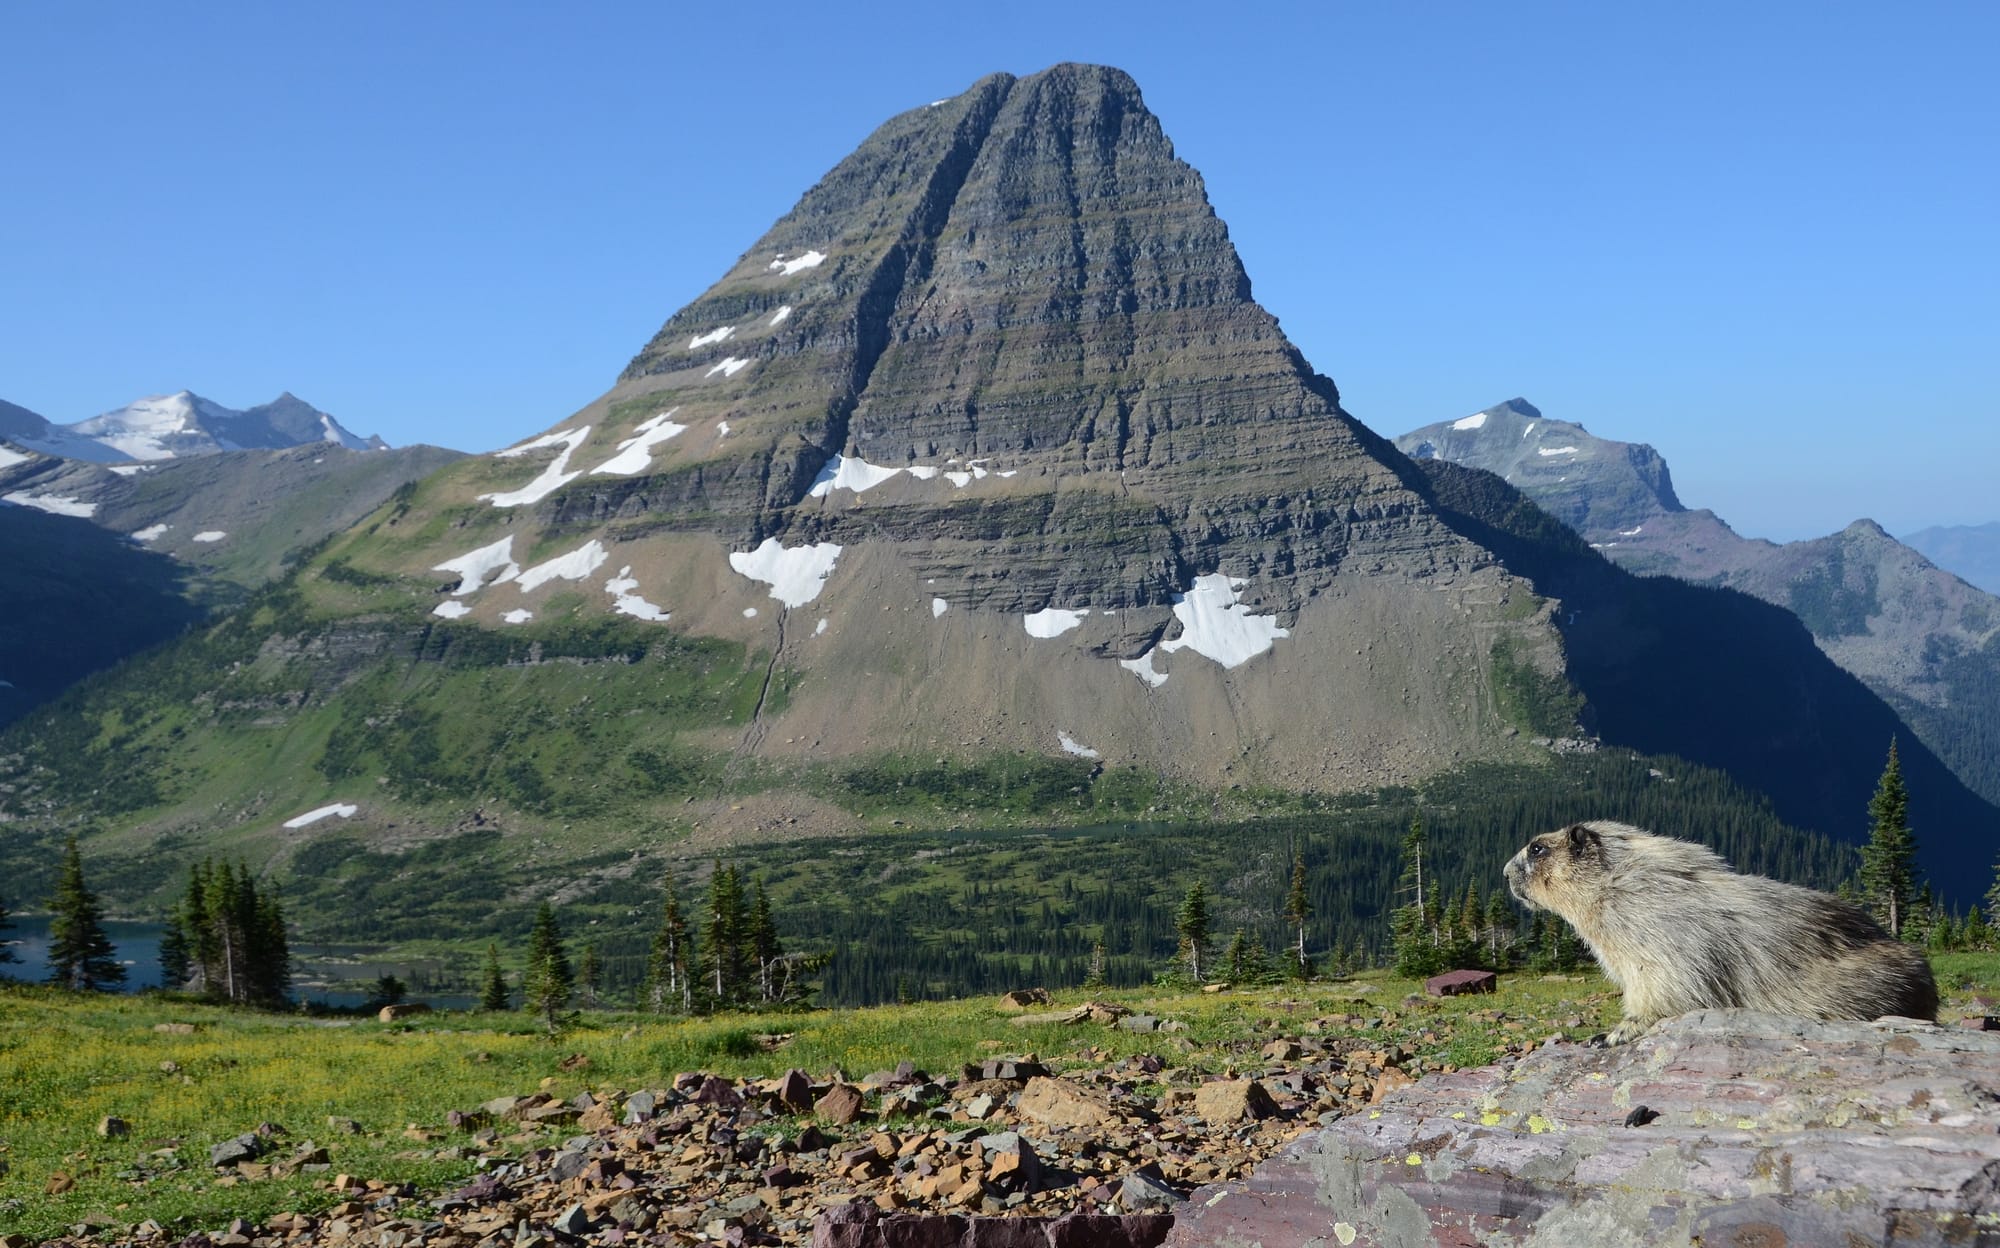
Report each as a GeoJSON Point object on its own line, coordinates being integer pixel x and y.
{"type": "Point", "coordinates": [1052, 621]}
{"type": "Point", "coordinates": [1555, 450]}
{"type": "Point", "coordinates": [475, 566]}
{"type": "Point", "coordinates": [553, 477]}
{"type": "Point", "coordinates": [749, 613]}
{"type": "Point", "coordinates": [1631, 532]}
{"type": "Point", "coordinates": [714, 335]}
{"type": "Point", "coordinates": [721, 428]}
{"type": "Point", "coordinates": [625, 602]}
{"type": "Point", "coordinates": [1529, 428]}
{"type": "Point", "coordinates": [573, 566]}
{"type": "Point", "coordinates": [843, 472]}
{"type": "Point", "coordinates": [1010, 472]}
{"type": "Point", "coordinates": [346, 810]}
{"type": "Point", "coordinates": [811, 259]}
{"type": "Point", "coordinates": [9, 456]}
{"type": "Point", "coordinates": [819, 627]}
{"type": "Point", "coordinates": [54, 504]}
{"type": "Point", "coordinates": [938, 607]}
{"type": "Point", "coordinates": [519, 615]}
{"type": "Point", "coordinates": [778, 317]}
{"type": "Point", "coordinates": [795, 576]}
{"type": "Point", "coordinates": [1215, 625]}
{"type": "Point", "coordinates": [451, 609]}
{"type": "Point", "coordinates": [133, 470]}
{"type": "Point", "coordinates": [636, 452]}
{"type": "Point", "coordinates": [1474, 421]}
{"type": "Point", "coordinates": [210, 535]}
{"type": "Point", "coordinates": [1143, 668]}
{"type": "Point", "coordinates": [1072, 746]}
{"type": "Point", "coordinates": [150, 532]}
{"type": "Point", "coordinates": [730, 366]}
{"type": "Point", "coordinates": [922, 472]}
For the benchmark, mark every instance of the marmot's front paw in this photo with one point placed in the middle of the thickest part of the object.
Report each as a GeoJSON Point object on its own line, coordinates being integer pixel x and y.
{"type": "Point", "coordinates": [1624, 1032]}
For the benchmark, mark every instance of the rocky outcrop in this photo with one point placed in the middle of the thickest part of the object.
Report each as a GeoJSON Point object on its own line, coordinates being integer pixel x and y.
{"type": "Point", "coordinates": [1721, 1127]}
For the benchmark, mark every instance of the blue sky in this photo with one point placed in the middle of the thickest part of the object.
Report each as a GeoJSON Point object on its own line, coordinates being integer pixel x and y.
{"type": "Point", "coordinates": [1759, 237]}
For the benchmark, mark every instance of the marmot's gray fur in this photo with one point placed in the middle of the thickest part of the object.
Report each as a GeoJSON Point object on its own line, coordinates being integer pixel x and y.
{"type": "Point", "coordinates": [1675, 928]}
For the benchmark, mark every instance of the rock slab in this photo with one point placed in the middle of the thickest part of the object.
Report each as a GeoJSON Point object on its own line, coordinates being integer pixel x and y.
{"type": "Point", "coordinates": [1761, 1130]}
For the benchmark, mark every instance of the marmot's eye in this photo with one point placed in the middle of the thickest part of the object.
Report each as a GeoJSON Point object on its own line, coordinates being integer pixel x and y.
{"type": "Point", "coordinates": [1538, 850]}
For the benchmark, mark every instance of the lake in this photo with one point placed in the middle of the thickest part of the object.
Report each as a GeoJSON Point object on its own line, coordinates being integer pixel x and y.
{"type": "Point", "coordinates": [137, 948]}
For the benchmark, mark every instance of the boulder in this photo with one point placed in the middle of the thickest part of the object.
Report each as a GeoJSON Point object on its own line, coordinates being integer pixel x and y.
{"type": "Point", "coordinates": [1060, 1103]}
{"type": "Point", "coordinates": [841, 1105]}
{"type": "Point", "coordinates": [1458, 983]}
{"type": "Point", "coordinates": [1233, 1100]}
{"type": "Point", "coordinates": [1025, 998]}
{"type": "Point", "coordinates": [1756, 1130]}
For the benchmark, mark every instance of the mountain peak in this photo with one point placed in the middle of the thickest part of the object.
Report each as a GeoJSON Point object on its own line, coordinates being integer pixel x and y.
{"type": "Point", "coordinates": [1593, 484]}
{"type": "Point", "coordinates": [167, 426]}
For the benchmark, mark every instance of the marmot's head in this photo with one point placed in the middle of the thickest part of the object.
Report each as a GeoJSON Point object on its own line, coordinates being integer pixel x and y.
{"type": "Point", "coordinates": [1556, 870]}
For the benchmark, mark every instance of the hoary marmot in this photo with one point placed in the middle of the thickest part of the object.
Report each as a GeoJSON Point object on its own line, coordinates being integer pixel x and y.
{"type": "Point", "coordinates": [1675, 928]}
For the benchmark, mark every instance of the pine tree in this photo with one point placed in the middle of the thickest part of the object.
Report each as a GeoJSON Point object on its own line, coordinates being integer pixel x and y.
{"type": "Point", "coordinates": [1298, 909]}
{"type": "Point", "coordinates": [1413, 928]}
{"type": "Point", "coordinates": [176, 954]}
{"type": "Point", "coordinates": [1245, 961]}
{"type": "Point", "coordinates": [725, 965]}
{"type": "Point", "coordinates": [1412, 879]}
{"type": "Point", "coordinates": [765, 949]}
{"type": "Point", "coordinates": [493, 990]}
{"type": "Point", "coordinates": [81, 956]}
{"type": "Point", "coordinates": [6, 925]}
{"type": "Point", "coordinates": [270, 953]}
{"type": "Point", "coordinates": [1888, 860]}
{"type": "Point", "coordinates": [1192, 924]}
{"type": "Point", "coordinates": [590, 974]}
{"type": "Point", "coordinates": [1499, 930]}
{"type": "Point", "coordinates": [545, 986]}
{"type": "Point", "coordinates": [668, 983]}
{"type": "Point", "coordinates": [1093, 975]}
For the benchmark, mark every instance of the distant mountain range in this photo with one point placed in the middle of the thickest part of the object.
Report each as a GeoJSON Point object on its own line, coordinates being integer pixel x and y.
{"type": "Point", "coordinates": [1970, 550]}
{"type": "Point", "coordinates": [1922, 637]}
{"type": "Point", "coordinates": [170, 426]}
{"type": "Point", "coordinates": [123, 529]}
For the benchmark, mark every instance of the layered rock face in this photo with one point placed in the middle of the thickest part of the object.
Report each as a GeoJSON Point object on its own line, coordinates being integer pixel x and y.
{"type": "Point", "coordinates": [1025, 285]}
{"type": "Point", "coordinates": [1720, 1127]}
{"type": "Point", "coordinates": [999, 377]}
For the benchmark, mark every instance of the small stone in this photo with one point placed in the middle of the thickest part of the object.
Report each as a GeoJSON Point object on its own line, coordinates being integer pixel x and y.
{"type": "Point", "coordinates": [112, 1127]}
{"type": "Point", "coordinates": [242, 1148]}
{"type": "Point", "coordinates": [59, 1182]}
{"type": "Point", "coordinates": [344, 1126]}
{"type": "Point", "coordinates": [1388, 1081]}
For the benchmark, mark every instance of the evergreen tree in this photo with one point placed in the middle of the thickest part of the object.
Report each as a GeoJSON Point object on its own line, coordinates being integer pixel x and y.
{"type": "Point", "coordinates": [6, 925]}
{"type": "Point", "coordinates": [269, 949]}
{"type": "Point", "coordinates": [176, 954]}
{"type": "Point", "coordinates": [1093, 978]}
{"type": "Point", "coordinates": [1888, 860]}
{"type": "Point", "coordinates": [1975, 933]}
{"type": "Point", "coordinates": [81, 956]}
{"type": "Point", "coordinates": [1413, 928]}
{"type": "Point", "coordinates": [1245, 960]}
{"type": "Point", "coordinates": [493, 990]}
{"type": "Point", "coordinates": [669, 985]}
{"type": "Point", "coordinates": [590, 974]}
{"type": "Point", "coordinates": [1499, 930]}
{"type": "Point", "coordinates": [725, 971]}
{"type": "Point", "coordinates": [765, 950]}
{"type": "Point", "coordinates": [546, 984]}
{"type": "Point", "coordinates": [1192, 923]}
{"type": "Point", "coordinates": [1298, 909]}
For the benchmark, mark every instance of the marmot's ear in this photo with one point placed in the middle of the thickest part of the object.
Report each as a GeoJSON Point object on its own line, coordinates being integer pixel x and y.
{"type": "Point", "coordinates": [1582, 838]}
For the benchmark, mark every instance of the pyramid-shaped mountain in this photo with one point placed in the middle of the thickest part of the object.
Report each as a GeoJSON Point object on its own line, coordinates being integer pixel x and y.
{"type": "Point", "coordinates": [994, 398]}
